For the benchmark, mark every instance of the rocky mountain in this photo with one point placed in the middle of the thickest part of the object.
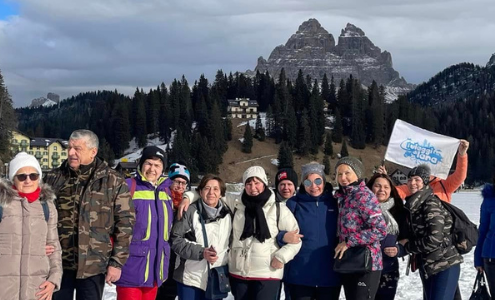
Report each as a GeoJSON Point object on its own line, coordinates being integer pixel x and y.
{"type": "Point", "coordinates": [458, 82]}
{"type": "Point", "coordinates": [50, 100]}
{"type": "Point", "coordinates": [491, 62]}
{"type": "Point", "coordinates": [313, 50]}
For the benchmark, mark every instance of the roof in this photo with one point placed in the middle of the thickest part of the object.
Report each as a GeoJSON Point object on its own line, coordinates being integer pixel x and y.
{"type": "Point", "coordinates": [45, 142]}
{"type": "Point", "coordinates": [237, 101]}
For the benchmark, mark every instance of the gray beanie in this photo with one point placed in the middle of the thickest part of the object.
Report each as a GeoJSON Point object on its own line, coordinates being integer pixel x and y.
{"type": "Point", "coordinates": [422, 171]}
{"type": "Point", "coordinates": [355, 164]}
{"type": "Point", "coordinates": [312, 168]}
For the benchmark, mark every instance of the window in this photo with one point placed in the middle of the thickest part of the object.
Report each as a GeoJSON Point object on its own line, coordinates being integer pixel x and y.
{"type": "Point", "coordinates": [55, 148]}
{"type": "Point", "coordinates": [45, 159]}
{"type": "Point", "coordinates": [30, 152]}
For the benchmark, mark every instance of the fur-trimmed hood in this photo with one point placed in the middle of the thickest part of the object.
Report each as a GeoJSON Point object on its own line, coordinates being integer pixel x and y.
{"type": "Point", "coordinates": [488, 191]}
{"type": "Point", "coordinates": [8, 194]}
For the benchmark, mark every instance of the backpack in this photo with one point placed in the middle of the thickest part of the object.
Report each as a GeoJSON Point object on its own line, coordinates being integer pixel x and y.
{"type": "Point", "coordinates": [44, 205]}
{"type": "Point", "coordinates": [464, 232]}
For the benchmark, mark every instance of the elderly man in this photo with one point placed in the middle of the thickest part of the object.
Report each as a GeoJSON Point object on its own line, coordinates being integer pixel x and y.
{"type": "Point", "coordinates": [96, 217]}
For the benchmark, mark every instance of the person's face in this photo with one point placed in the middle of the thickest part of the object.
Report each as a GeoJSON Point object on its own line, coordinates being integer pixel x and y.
{"type": "Point", "coordinates": [415, 183]}
{"type": "Point", "coordinates": [345, 175]}
{"type": "Point", "coordinates": [179, 185]}
{"type": "Point", "coordinates": [286, 189]}
{"type": "Point", "coordinates": [311, 185]}
{"type": "Point", "coordinates": [152, 169]}
{"type": "Point", "coordinates": [80, 154]}
{"type": "Point", "coordinates": [381, 188]}
{"type": "Point", "coordinates": [211, 193]}
{"type": "Point", "coordinates": [254, 187]}
{"type": "Point", "coordinates": [27, 185]}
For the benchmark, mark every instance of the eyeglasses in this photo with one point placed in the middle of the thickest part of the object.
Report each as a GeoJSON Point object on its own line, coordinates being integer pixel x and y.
{"type": "Point", "coordinates": [179, 183]}
{"type": "Point", "coordinates": [32, 176]}
{"type": "Point", "coordinates": [308, 182]}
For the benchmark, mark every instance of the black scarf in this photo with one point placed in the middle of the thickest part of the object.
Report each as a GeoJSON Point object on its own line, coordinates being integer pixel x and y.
{"type": "Point", "coordinates": [254, 214]}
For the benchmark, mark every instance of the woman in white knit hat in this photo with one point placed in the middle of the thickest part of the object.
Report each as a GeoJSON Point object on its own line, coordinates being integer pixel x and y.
{"type": "Point", "coordinates": [28, 222]}
{"type": "Point", "coordinates": [256, 263]}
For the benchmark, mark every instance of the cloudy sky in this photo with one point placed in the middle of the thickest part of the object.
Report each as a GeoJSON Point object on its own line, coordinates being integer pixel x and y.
{"type": "Point", "coordinates": [74, 46]}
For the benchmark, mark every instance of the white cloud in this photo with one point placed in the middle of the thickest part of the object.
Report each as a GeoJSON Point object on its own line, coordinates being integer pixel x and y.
{"type": "Point", "coordinates": [69, 47]}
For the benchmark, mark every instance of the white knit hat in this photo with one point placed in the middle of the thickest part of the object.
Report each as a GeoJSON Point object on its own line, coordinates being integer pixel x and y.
{"type": "Point", "coordinates": [255, 171]}
{"type": "Point", "coordinates": [21, 160]}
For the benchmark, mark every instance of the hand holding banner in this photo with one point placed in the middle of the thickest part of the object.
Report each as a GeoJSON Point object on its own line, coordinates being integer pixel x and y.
{"type": "Point", "coordinates": [410, 146]}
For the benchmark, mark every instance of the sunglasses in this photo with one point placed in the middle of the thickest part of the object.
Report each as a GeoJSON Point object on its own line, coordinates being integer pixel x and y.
{"type": "Point", "coordinates": [179, 183]}
{"type": "Point", "coordinates": [32, 176]}
{"type": "Point", "coordinates": [308, 182]}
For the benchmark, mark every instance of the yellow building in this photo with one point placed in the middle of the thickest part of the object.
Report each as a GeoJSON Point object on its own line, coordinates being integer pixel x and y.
{"type": "Point", "coordinates": [242, 108]}
{"type": "Point", "coordinates": [50, 152]}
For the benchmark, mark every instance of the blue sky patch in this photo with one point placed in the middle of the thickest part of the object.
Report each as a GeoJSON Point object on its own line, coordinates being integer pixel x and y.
{"type": "Point", "coordinates": [8, 8]}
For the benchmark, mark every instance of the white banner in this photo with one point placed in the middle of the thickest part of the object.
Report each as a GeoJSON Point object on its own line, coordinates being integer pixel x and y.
{"type": "Point", "coordinates": [410, 146]}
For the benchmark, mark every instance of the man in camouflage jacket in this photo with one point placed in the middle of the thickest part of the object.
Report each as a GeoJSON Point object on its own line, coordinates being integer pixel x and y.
{"type": "Point", "coordinates": [96, 217]}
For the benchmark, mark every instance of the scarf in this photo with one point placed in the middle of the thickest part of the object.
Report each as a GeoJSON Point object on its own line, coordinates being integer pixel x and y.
{"type": "Point", "coordinates": [212, 212]}
{"type": "Point", "coordinates": [176, 198]}
{"type": "Point", "coordinates": [255, 221]}
{"type": "Point", "coordinates": [31, 197]}
{"type": "Point", "coordinates": [392, 226]}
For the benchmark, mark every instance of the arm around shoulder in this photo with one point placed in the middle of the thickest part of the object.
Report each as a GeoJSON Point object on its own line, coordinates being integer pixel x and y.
{"type": "Point", "coordinates": [124, 219]}
{"type": "Point", "coordinates": [287, 222]}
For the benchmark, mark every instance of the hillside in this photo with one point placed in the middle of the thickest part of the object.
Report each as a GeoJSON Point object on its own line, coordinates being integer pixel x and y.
{"type": "Point", "coordinates": [235, 162]}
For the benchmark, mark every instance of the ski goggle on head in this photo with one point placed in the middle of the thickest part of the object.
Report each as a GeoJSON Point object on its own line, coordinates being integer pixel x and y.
{"type": "Point", "coordinates": [308, 183]}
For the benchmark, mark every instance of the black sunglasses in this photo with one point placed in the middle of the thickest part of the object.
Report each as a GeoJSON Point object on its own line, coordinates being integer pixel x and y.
{"type": "Point", "coordinates": [32, 176]}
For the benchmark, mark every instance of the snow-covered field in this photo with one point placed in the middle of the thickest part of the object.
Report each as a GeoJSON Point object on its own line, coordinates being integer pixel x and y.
{"type": "Point", "coordinates": [410, 286]}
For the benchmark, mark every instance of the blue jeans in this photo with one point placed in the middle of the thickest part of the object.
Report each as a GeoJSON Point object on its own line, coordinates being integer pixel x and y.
{"type": "Point", "coordinates": [186, 292]}
{"type": "Point", "coordinates": [441, 286]}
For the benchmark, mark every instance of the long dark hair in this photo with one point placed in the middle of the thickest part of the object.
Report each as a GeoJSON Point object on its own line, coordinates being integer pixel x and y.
{"type": "Point", "coordinates": [398, 202]}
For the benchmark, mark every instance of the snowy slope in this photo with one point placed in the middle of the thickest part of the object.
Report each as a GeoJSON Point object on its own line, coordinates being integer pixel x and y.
{"type": "Point", "coordinates": [410, 286]}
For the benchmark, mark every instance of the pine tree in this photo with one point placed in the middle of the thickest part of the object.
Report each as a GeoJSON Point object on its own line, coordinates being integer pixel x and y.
{"type": "Point", "coordinates": [343, 150]}
{"type": "Point", "coordinates": [163, 122]}
{"type": "Point", "coordinates": [337, 128]}
{"type": "Point", "coordinates": [7, 121]}
{"type": "Point", "coordinates": [105, 152]}
{"type": "Point", "coordinates": [285, 157]}
{"type": "Point", "coordinates": [332, 97]}
{"type": "Point", "coordinates": [269, 121]}
{"type": "Point", "coordinates": [326, 164]}
{"type": "Point", "coordinates": [120, 128]}
{"type": "Point", "coordinates": [247, 144]}
{"type": "Point", "coordinates": [328, 150]}
{"type": "Point", "coordinates": [259, 131]}
{"type": "Point", "coordinates": [227, 129]}
{"type": "Point", "coordinates": [140, 121]}
{"type": "Point", "coordinates": [290, 126]}
{"type": "Point", "coordinates": [304, 135]}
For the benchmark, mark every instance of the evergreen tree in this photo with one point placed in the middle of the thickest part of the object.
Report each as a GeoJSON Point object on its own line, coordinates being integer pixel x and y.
{"type": "Point", "coordinates": [358, 134]}
{"type": "Point", "coordinates": [325, 89]}
{"type": "Point", "coordinates": [163, 122]}
{"type": "Point", "coordinates": [227, 129]}
{"type": "Point", "coordinates": [332, 97]}
{"type": "Point", "coordinates": [290, 126]}
{"type": "Point", "coordinates": [328, 150]}
{"type": "Point", "coordinates": [120, 128]}
{"type": "Point", "coordinates": [343, 150]}
{"type": "Point", "coordinates": [337, 128]}
{"type": "Point", "coordinates": [269, 121]}
{"type": "Point", "coordinates": [260, 131]}
{"type": "Point", "coordinates": [140, 120]}
{"type": "Point", "coordinates": [247, 144]}
{"type": "Point", "coordinates": [304, 136]}
{"type": "Point", "coordinates": [285, 157]}
{"type": "Point", "coordinates": [7, 121]}
{"type": "Point", "coordinates": [301, 93]}
{"type": "Point", "coordinates": [105, 152]}
{"type": "Point", "coordinates": [326, 164]}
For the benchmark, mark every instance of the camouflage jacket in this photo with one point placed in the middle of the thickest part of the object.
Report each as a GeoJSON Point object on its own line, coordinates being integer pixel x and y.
{"type": "Point", "coordinates": [102, 208]}
{"type": "Point", "coordinates": [430, 239]}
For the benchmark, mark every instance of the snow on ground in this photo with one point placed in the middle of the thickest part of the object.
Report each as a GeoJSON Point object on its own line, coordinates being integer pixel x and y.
{"type": "Point", "coordinates": [410, 286]}
{"type": "Point", "coordinates": [274, 162]}
{"type": "Point", "coordinates": [133, 153]}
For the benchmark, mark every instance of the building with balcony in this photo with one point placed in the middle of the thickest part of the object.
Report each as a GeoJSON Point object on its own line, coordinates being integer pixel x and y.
{"type": "Point", "coordinates": [50, 152]}
{"type": "Point", "coordinates": [242, 108]}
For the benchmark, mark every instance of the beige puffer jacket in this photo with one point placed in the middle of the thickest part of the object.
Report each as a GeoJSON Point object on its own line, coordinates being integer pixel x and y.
{"type": "Point", "coordinates": [24, 232]}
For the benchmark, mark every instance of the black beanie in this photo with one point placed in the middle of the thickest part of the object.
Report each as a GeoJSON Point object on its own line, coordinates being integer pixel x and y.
{"type": "Point", "coordinates": [286, 174]}
{"type": "Point", "coordinates": [153, 152]}
{"type": "Point", "coordinates": [422, 171]}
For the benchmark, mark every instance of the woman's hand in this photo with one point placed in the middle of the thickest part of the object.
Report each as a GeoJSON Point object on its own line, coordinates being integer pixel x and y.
{"type": "Point", "coordinates": [463, 147]}
{"type": "Point", "coordinates": [276, 264]}
{"type": "Point", "coordinates": [391, 251]}
{"type": "Point", "coordinates": [46, 292]}
{"type": "Point", "coordinates": [49, 249]}
{"type": "Point", "coordinates": [340, 249]}
{"type": "Point", "coordinates": [210, 254]}
{"type": "Point", "coordinates": [292, 237]}
{"type": "Point", "coordinates": [183, 206]}
{"type": "Point", "coordinates": [403, 242]}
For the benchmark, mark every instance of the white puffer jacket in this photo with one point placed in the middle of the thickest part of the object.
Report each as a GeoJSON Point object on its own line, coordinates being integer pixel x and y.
{"type": "Point", "coordinates": [249, 258]}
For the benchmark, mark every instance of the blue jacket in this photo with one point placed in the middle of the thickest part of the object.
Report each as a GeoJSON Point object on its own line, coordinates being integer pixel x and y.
{"type": "Point", "coordinates": [149, 250]}
{"type": "Point", "coordinates": [485, 248]}
{"type": "Point", "coordinates": [317, 218]}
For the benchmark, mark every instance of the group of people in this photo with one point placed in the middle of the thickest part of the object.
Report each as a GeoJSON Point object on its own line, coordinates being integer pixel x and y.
{"type": "Point", "coordinates": [83, 225]}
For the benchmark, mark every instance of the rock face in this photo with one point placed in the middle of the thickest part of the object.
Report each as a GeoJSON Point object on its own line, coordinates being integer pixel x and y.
{"type": "Point", "coordinates": [49, 100]}
{"type": "Point", "coordinates": [491, 62]}
{"type": "Point", "coordinates": [313, 50]}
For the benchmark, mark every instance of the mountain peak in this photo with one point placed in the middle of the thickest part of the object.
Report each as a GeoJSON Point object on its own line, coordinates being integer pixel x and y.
{"type": "Point", "coordinates": [491, 62]}
{"type": "Point", "coordinates": [352, 31]}
{"type": "Point", "coordinates": [311, 26]}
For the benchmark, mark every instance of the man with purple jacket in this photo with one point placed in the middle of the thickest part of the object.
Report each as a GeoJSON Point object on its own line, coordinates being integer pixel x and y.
{"type": "Point", "coordinates": [147, 266]}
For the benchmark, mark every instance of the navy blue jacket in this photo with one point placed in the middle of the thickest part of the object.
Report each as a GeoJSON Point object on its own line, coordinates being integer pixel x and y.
{"type": "Point", "coordinates": [317, 219]}
{"type": "Point", "coordinates": [485, 248]}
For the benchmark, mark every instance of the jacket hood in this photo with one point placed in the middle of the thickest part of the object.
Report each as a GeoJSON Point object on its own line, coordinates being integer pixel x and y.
{"type": "Point", "coordinates": [7, 193]}
{"type": "Point", "coordinates": [488, 191]}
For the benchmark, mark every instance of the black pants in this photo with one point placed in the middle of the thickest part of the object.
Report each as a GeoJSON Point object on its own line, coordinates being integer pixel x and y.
{"type": "Point", "coordinates": [168, 290]}
{"type": "Point", "coordinates": [302, 292]}
{"type": "Point", "coordinates": [254, 289]}
{"type": "Point", "coordinates": [360, 286]}
{"type": "Point", "coordinates": [90, 288]}
{"type": "Point", "coordinates": [388, 286]}
{"type": "Point", "coordinates": [285, 287]}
